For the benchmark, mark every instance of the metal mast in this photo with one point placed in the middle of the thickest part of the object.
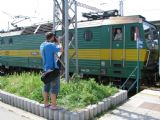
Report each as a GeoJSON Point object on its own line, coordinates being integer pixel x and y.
{"type": "Point", "coordinates": [65, 17]}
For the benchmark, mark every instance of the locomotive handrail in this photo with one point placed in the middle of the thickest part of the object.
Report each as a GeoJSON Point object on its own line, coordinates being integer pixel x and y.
{"type": "Point", "coordinates": [132, 85]}
{"type": "Point", "coordinates": [128, 78]}
{"type": "Point", "coordinates": [124, 48]}
{"type": "Point", "coordinates": [110, 47]}
{"type": "Point", "coordinates": [149, 52]}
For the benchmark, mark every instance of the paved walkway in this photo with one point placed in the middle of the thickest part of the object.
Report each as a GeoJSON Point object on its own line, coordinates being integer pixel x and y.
{"type": "Point", "coordinates": [143, 106]}
{"type": "Point", "coordinates": [8, 112]}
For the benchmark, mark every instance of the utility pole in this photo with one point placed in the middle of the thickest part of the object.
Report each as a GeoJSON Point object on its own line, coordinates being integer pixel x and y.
{"type": "Point", "coordinates": [66, 37]}
{"type": "Point", "coordinates": [65, 16]}
{"type": "Point", "coordinates": [121, 8]}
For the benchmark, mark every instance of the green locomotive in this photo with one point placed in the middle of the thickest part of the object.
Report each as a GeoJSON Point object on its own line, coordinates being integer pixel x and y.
{"type": "Point", "coordinates": [107, 47]}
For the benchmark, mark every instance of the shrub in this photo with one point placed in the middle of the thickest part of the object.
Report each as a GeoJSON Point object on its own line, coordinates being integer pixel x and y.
{"type": "Point", "coordinates": [76, 94]}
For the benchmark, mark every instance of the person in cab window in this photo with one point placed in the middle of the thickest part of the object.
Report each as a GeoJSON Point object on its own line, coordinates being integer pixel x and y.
{"type": "Point", "coordinates": [118, 35]}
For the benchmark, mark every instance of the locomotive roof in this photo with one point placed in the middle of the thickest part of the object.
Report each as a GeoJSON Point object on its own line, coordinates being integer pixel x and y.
{"type": "Point", "coordinates": [43, 28]}
{"type": "Point", "coordinates": [112, 21]}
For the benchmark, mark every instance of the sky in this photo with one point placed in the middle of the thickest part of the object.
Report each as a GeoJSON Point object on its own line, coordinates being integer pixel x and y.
{"type": "Point", "coordinates": [42, 10]}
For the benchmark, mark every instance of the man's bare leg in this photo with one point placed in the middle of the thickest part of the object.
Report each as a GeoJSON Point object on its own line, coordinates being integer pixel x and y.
{"type": "Point", "coordinates": [45, 96]}
{"type": "Point", "coordinates": [53, 99]}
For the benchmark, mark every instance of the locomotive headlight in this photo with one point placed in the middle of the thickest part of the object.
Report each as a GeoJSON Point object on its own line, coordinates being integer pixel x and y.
{"type": "Point", "coordinates": [103, 64]}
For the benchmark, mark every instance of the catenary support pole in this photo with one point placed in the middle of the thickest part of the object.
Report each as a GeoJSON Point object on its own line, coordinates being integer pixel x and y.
{"type": "Point", "coordinates": [66, 50]}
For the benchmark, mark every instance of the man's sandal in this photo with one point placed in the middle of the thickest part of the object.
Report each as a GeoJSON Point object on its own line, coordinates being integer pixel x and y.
{"type": "Point", "coordinates": [55, 107]}
{"type": "Point", "coordinates": [47, 106]}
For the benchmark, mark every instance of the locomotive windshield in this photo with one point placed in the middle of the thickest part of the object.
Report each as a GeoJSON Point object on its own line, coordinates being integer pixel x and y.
{"type": "Point", "coordinates": [151, 35]}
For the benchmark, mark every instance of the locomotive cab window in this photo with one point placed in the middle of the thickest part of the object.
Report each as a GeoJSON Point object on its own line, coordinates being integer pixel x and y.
{"type": "Point", "coordinates": [117, 33]}
{"type": "Point", "coordinates": [150, 35]}
{"type": "Point", "coordinates": [134, 30]}
{"type": "Point", "coordinates": [10, 41]}
{"type": "Point", "coordinates": [88, 35]}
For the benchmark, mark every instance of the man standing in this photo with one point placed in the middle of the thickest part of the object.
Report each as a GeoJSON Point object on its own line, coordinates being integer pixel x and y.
{"type": "Point", "coordinates": [48, 51]}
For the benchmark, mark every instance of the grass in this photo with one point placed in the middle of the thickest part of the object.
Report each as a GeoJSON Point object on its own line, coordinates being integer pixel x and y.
{"type": "Point", "coordinates": [74, 95]}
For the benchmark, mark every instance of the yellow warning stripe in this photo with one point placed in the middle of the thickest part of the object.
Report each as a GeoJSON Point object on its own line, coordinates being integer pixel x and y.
{"type": "Point", "coordinates": [88, 54]}
{"type": "Point", "coordinates": [20, 53]}
{"type": "Point", "coordinates": [107, 54]}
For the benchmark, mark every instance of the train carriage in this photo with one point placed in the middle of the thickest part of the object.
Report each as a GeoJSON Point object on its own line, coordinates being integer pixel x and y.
{"type": "Point", "coordinates": [99, 53]}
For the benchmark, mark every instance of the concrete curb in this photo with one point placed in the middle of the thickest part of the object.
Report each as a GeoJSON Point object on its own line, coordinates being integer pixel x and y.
{"type": "Point", "coordinates": [85, 114]}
